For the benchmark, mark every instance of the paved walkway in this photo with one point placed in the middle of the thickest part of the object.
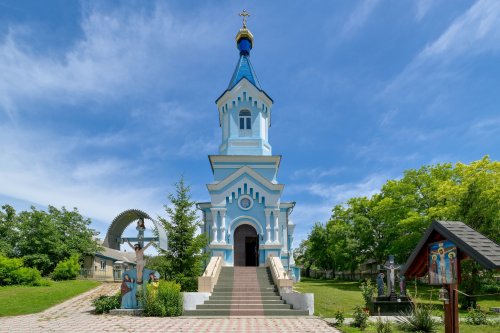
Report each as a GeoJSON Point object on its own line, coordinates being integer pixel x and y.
{"type": "Point", "coordinates": [75, 315]}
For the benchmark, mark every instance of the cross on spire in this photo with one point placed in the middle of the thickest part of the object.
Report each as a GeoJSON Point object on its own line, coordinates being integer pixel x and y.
{"type": "Point", "coordinates": [244, 14]}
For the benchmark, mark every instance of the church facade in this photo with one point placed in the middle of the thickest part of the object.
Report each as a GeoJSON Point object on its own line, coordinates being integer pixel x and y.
{"type": "Point", "coordinates": [245, 220]}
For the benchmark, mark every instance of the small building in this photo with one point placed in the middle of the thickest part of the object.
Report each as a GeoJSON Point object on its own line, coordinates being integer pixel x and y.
{"type": "Point", "coordinates": [107, 265]}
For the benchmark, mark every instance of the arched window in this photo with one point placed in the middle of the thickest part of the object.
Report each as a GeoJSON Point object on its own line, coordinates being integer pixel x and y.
{"type": "Point", "coordinates": [245, 123]}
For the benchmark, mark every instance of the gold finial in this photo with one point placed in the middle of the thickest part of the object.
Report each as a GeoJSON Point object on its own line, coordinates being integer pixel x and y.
{"type": "Point", "coordinates": [244, 14]}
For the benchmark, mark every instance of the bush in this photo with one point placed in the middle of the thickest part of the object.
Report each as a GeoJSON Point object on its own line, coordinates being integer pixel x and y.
{"type": "Point", "coordinates": [383, 326]}
{"type": "Point", "coordinates": [67, 269]}
{"type": "Point", "coordinates": [103, 303]}
{"type": "Point", "coordinates": [360, 318]}
{"type": "Point", "coordinates": [13, 272]}
{"type": "Point", "coordinates": [339, 317]}
{"type": "Point", "coordinates": [418, 320]}
{"type": "Point", "coordinates": [163, 300]}
{"type": "Point", "coordinates": [367, 290]}
{"type": "Point", "coordinates": [476, 317]}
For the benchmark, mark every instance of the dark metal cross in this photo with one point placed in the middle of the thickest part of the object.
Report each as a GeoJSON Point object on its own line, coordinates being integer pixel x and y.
{"type": "Point", "coordinates": [244, 14]}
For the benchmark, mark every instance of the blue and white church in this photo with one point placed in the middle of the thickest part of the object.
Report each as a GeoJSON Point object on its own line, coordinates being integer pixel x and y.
{"type": "Point", "coordinates": [245, 220]}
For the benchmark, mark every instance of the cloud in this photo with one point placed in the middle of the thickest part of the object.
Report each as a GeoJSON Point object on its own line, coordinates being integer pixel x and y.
{"type": "Point", "coordinates": [423, 7]}
{"type": "Point", "coordinates": [315, 173]}
{"type": "Point", "coordinates": [358, 17]}
{"type": "Point", "coordinates": [120, 53]}
{"type": "Point", "coordinates": [35, 167]}
{"type": "Point", "coordinates": [473, 33]}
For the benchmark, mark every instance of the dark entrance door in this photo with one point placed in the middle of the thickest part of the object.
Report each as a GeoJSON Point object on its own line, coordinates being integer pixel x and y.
{"type": "Point", "coordinates": [246, 246]}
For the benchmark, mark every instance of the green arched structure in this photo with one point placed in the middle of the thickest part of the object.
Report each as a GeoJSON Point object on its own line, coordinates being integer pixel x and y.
{"type": "Point", "coordinates": [122, 221]}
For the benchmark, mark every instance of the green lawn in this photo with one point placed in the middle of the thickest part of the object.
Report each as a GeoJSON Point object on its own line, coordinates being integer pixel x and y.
{"type": "Point", "coordinates": [17, 300]}
{"type": "Point", "coordinates": [331, 296]}
{"type": "Point", "coordinates": [463, 329]}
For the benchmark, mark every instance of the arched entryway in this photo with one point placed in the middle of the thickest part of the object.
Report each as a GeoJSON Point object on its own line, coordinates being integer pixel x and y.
{"type": "Point", "coordinates": [246, 246]}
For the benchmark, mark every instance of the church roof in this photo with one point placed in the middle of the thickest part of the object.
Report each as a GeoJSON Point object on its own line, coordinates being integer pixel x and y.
{"type": "Point", "coordinates": [244, 69]}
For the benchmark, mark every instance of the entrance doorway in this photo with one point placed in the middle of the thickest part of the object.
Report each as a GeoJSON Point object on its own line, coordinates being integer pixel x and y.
{"type": "Point", "coordinates": [246, 246]}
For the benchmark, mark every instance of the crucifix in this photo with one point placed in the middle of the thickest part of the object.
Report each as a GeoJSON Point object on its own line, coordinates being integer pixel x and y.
{"type": "Point", "coordinates": [244, 14]}
{"type": "Point", "coordinates": [391, 274]}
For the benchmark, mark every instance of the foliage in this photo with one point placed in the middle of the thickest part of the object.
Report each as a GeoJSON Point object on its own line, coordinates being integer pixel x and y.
{"type": "Point", "coordinates": [339, 317]}
{"type": "Point", "coordinates": [393, 220]}
{"type": "Point", "coordinates": [13, 272]}
{"type": "Point", "coordinates": [43, 238]}
{"type": "Point", "coordinates": [67, 269]}
{"type": "Point", "coordinates": [104, 303]}
{"type": "Point", "coordinates": [383, 326]}
{"type": "Point", "coordinates": [360, 318]}
{"type": "Point", "coordinates": [19, 300]}
{"type": "Point", "coordinates": [184, 246]}
{"type": "Point", "coordinates": [419, 319]}
{"type": "Point", "coordinates": [165, 300]}
{"type": "Point", "coordinates": [476, 317]}
{"type": "Point", "coordinates": [367, 290]}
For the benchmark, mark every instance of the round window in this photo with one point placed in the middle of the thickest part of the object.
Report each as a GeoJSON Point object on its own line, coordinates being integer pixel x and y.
{"type": "Point", "coordinates": [245, 203]}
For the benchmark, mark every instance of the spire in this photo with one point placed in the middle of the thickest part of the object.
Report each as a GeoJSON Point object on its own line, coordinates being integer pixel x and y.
{"type": "Point", "coordinates": [244, 43]}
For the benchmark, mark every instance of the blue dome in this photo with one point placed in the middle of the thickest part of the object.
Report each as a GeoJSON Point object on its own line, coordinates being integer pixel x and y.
{"type": "Point", "coordinates": [244, 45]}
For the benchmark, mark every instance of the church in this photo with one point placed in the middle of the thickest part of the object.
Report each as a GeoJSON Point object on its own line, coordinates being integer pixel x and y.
{"type": "Point", "coordinates": [245, 219]}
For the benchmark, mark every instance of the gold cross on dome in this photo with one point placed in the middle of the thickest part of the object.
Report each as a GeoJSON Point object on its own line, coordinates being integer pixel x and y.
{"type": "Point", "coordinates": [244, 14]}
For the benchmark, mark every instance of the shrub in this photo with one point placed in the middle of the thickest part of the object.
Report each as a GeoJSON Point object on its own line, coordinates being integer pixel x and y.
{"type": "Point", "coordinates": [360, 318]}
{"type": "Point", "coordinates": [163, 300]}
{"type": "Point", "coordinates": [339, 317]}
{"type": "Point", "coordinates": [383, 326]}
{"type": "Point", "coordinates": [67, 269]}
{"type": "Point", "coordinates": [476, 317]}
{"type": "Point", "coordinates": [12, 272]}
{"type": "Point", "coordinates": [367, 290]}
{"type": "Point", "coordinates": [418, 320]}
{"type": "Point", "coordinates": [103, 303]}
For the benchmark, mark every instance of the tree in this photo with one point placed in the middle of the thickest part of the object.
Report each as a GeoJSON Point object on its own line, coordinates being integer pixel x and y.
{"type": "Point", "coordinates": [43, 238]}
{"type": "Point", "coordinates": [184, 246]}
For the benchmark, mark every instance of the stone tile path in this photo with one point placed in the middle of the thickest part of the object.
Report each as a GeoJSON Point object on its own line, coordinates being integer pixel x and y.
{"type": "Point", "coordinates": [74, 316]}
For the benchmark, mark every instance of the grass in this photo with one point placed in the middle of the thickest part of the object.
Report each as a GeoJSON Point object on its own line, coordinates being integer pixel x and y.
{"type": "Point", "coordinates": [331, 296]}
{"type": "Point", "coordinates": [18, 300]}
{"type": "Point", "coordinates": [463, 329]}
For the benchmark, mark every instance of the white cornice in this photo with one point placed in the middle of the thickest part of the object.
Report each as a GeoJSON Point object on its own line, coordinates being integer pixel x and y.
{"type": "Point", "coordinates": [263, 181]}
{"type": "Point", "coordinates": [276, 159]}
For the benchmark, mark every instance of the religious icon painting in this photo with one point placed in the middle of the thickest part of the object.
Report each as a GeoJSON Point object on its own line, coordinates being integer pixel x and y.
{"type": "Point", "coordinates": [442, 263]}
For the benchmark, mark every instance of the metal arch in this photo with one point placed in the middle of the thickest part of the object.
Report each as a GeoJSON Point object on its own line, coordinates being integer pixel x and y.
{"type": "Point", "coordinates": [123, 220]}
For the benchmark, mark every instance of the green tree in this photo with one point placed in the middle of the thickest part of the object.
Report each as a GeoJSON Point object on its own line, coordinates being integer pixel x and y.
{"type": "Point", "coordinates": [9, 230]}
{"type": "Point", "coordinates": [184, 246]}
{"type": "Point", "coordinates": [43, 238]}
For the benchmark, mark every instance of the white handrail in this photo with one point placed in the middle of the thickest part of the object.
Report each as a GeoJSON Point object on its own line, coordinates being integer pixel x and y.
{"type": "Point", "coordinates": [207, 281]}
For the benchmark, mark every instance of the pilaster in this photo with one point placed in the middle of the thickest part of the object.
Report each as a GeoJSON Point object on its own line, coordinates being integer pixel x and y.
{"type": "Point", "coordinates": [268, 211]}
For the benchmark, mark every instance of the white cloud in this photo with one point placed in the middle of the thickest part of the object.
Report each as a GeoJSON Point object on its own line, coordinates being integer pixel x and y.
{"type": "Point", "coordinates": [359, 17]}
{"type": "Point", "coordinates": [35, 167]}
{"type": "Point", "coordinates": [473, 33]}
{"type": "Point", "coordinates": [316, 173]}
{"type": "Point", "coordinates": [423, 7]}
{"type": "Point", "coordinates": [120, 53]}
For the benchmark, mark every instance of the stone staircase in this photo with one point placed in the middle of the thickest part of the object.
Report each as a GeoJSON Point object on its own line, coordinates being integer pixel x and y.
{"type": "Point", "coordinates": [245, 291]}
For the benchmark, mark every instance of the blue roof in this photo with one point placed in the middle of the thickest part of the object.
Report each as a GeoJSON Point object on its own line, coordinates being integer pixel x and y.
{"type": "Point", "coordinates": [244, 69]}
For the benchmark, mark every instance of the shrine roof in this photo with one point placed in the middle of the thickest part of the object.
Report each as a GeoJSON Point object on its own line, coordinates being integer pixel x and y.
{"type": "Point", "coordinates": [470, 242]}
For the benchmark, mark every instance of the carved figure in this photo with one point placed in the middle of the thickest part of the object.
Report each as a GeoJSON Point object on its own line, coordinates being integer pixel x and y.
{"type": "Point", "coordinates": [139, 257]}
{"type": "Point", "coordinates": [129, 300]}
{"type": "Point", "coordinates": [380, 284]}
{"type": "Point", "coordinates": [402, 285]}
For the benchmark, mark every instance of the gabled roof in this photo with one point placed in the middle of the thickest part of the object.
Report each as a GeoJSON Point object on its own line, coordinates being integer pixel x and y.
{"type": "Point", "coordinates": [470, 242]}
{"type": "Point", "coordinates": [244, 69]}
{"type": "Point", "coordinates": [249, 171]}
{"type": "Point", "coordinates": [116, 255]}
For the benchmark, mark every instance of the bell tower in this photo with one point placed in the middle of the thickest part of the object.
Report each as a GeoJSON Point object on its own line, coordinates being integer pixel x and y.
{"type": "Point", "coordinates": [245, 220]}
{"type": "Point", "coordinates": [244, 108]}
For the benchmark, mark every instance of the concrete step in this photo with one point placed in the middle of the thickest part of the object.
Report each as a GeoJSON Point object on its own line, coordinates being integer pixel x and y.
{"type": "Point", "coordinates": [244, 289]}
{"type": "Point", "coordinates": [239, 298]}
{"type": "Point", "coordinates": [244, 306]}
{"type": "Point", "coordinates": [247, 301]}
{"type": "Point", "coordinates": [253, 312]}
{"type": "Point", "coordinates": [245, 294]}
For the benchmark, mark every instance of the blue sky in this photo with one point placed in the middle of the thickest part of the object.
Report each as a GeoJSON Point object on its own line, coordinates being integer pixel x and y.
{"type": "Point", "coordinates": [104, 105]}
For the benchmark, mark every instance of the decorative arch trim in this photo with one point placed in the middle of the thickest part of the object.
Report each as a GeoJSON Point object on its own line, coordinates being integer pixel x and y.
{"type": "Point", "coordinates": [246, 220]}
